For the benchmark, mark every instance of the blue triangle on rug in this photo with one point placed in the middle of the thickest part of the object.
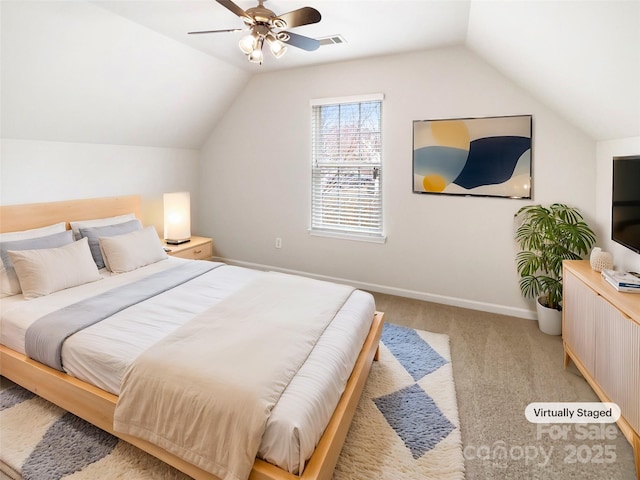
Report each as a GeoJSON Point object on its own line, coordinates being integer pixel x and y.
{"type": "Point", "coordinates": [68, 445]}
{"type": "Point", "coordinates": [76, 444]}
{"type": "Point", "coordinates": [416, 356]}
{"type": "Point", "coordinates": [12, 396]}
{"type": "Point", "coordinates": [415, 418]}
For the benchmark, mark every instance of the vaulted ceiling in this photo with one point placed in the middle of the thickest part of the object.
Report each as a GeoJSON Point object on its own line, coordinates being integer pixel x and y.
{"type": "Point", "coordinates": [126, 72]}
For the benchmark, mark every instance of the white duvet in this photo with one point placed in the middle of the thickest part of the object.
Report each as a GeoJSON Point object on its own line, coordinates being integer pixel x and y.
{"type": "Point", "coordinates": [101, 353]}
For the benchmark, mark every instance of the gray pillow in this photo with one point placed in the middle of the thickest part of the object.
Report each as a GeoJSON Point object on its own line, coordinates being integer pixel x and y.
{"type": "Point", "coordinates": [49, 241]}
{"type": "Point", "coordinates": [94, 233]}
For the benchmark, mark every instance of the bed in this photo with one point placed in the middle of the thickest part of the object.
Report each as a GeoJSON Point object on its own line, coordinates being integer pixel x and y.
{"type": "Point", "coordinates": [93, 395]}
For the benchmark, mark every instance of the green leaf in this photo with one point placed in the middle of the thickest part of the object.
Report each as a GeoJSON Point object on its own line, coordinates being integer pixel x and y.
{"type": "Point", "coordinates": [530, 286]}
{"type": "Point", "coordinates": [547, 236]}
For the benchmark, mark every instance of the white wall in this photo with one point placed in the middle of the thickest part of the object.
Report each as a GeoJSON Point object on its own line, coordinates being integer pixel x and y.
{"type": "Point", "coordinates": [624, 259]}
{"type": "Point", "coordinates": [255, 180]}
{"type": "Point", "coordinates": [37, 171]}
{"type": "Point", "coordinates": [75, 72]}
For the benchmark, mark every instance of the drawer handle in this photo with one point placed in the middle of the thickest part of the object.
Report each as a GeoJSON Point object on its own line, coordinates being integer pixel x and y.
{"type": "Point", "coordinates": [197, 251]}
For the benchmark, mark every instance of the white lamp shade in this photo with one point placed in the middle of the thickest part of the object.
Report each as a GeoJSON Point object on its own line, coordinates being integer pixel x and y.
{"type": "Point", "coordinates": [256, 55]}
{"type": "Point", "coordinates": [177, 217]}
{"type": "Point", "coordinates": [277, 47]}
{"type": "Point", "coordinates": [247, 43]}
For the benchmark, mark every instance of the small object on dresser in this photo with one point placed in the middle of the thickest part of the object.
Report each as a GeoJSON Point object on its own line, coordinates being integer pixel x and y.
{"type": "Point", "coordinates": [600, 260]}
{"type": "Point", "coordinates": [622, 281]}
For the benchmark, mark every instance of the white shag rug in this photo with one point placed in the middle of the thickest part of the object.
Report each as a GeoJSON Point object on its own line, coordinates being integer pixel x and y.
{"type": "Point", "coordinates": [406, 426]}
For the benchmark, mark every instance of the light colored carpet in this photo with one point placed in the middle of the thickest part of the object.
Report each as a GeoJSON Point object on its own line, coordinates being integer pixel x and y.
{"type": "Point", "coordinates": [406, 426]}
{"type": "Point", "coordinates": [500, 365]}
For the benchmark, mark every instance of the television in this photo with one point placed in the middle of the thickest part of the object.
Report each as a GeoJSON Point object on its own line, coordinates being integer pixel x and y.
{"type": "Point", "coordinates": [625, 204]}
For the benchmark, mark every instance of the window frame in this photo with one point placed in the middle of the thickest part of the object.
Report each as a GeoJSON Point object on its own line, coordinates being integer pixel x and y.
{"type": "Point", "coordinates": [344, 232]}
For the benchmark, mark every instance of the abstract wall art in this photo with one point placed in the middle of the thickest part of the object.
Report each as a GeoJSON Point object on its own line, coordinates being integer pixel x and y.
{"type": "Point", "coordinates": [488, 157]}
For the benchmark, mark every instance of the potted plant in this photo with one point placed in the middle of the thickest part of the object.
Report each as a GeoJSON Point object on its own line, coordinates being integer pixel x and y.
{"type": "Point", "coordinates": [547, 236]}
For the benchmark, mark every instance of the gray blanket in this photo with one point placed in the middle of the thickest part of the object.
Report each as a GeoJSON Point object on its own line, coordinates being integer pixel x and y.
{"type": "Point", "coordinates": [45, 337]}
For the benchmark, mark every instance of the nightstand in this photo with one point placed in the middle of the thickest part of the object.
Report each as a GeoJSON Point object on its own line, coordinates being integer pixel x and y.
{"type": "Point", "coordinates": [199, 248]}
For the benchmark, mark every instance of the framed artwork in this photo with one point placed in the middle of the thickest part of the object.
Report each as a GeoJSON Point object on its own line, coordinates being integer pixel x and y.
{"type": "Point", "coordinates": [489, 157]}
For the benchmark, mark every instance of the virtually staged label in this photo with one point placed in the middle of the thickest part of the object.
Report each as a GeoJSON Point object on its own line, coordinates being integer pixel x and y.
{"type": "Point", "coordinates": [572, 412]}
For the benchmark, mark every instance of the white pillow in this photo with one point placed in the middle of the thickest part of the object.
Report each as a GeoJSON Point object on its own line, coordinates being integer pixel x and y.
{"type": "Point", "coordinates": [33, 233]}
{"type": "Point", "coordinates": [9, 284]}
{"type": "Point", "coordinates": [49, 270]}
{"type": "Point", "coordinates": [127, 252]}
{"type": "Point", "coordinates": [93, 234]}
{"type": "Point", "coordinates": [99, 222]}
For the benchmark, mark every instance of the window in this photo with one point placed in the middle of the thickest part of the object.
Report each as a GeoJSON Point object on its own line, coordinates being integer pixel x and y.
{"type": "Point", "coordinates": [346, 151]}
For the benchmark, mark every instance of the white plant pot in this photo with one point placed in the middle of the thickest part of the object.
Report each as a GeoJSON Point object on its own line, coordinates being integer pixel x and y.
{"type": "Point", "coordinates": [549, 319]}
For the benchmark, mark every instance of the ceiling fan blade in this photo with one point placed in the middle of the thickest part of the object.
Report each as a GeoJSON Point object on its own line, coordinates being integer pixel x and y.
{"type": "Point", "coordinates": [301, 16]}
{"type": "Point", "coordinates": [217, 31]}
{"type": "Point", "coordinates": [300, 41]}
{"type": "Point", "coordinates": [229, 5]}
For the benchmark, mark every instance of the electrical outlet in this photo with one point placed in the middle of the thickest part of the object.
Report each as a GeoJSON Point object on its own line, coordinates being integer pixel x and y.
{"type": "Point", "coordinates": [278, 242]}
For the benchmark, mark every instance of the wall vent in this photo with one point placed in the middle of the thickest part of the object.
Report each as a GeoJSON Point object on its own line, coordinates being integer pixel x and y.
{"type": "Point", "coordinates": [331, 40]}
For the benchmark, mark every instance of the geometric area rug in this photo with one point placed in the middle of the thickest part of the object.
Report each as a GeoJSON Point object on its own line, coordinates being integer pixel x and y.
{"type": "Point", "coordinates": [405, 427]}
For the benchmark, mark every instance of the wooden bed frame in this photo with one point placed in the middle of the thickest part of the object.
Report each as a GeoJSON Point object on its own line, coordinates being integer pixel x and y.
{"type": "Point", "coordinates": [97, 406]}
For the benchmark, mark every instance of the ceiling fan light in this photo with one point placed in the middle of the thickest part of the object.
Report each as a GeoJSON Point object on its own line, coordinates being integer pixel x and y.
{"type": "Point", "coordinates": [281, 50]}
{"type": "Point", "coordinates": [256, 55]}
{"type": "Point", "coordinates": [277, 47]}
{"type": "Point", "coordinates": [248, 43]}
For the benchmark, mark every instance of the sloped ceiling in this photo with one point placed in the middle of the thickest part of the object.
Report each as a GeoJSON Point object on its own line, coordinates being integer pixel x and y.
{"type": "Point", "coordinates": [126, 72]}
{"type": "Point", "coordinates": [73, 72]}
{"type": "Point", "coordinates": [581, 58]}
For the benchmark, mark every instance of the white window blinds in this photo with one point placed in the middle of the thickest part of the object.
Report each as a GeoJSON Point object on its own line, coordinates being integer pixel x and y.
{"type": "Point", "coordinates": [347, 166]}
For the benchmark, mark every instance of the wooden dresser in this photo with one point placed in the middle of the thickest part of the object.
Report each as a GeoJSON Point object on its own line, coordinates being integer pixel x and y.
{"type": "Point", "coordinates": [601, 334]}
{"type": "Point", "coordinates": [199, 248]}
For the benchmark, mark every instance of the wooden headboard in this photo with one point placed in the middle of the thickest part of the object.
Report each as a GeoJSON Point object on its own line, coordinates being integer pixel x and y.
{"type": "Point", "coordinates": [34, 215]}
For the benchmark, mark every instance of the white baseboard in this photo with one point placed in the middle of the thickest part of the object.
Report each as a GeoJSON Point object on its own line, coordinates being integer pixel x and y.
{"type": "Point", "coordinates": [401, 292]}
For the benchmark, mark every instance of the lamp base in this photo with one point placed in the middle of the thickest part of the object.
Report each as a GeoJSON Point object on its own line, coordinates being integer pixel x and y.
{"type": "Point", "coordinates": [176, 242]}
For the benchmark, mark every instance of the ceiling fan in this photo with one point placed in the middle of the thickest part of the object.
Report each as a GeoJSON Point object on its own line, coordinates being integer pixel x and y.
{"type": "Point", "coordinates": [265, 25]}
